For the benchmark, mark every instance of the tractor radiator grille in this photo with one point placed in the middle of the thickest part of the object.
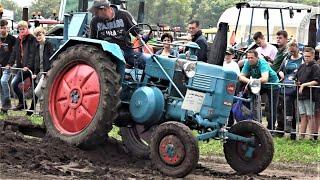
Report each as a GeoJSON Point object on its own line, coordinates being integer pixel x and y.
{"type": "Point", "coordinates": [202, 81]}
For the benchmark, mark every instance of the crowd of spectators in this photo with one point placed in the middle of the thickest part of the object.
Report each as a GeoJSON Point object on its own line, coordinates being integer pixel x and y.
{"type": "Point", "coordinates": [286, 74]}
{"type": "Point", "coordinates": [29, 55]}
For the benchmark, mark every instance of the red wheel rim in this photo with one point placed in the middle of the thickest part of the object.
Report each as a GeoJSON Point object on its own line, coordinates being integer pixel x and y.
{"type": "Point", "coordinates": [172, 150]}
{"type": "Point", "coordinates": [74, 98]}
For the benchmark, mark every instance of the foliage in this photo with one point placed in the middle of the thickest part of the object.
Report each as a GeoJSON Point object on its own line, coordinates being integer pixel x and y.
{"type": "Point", "coordinates": [11, 5]}
{"type": "Point", "coordinates": [170, 12]}
{"type": "Point", "coordinates": [179, 12]}
{"type": "Point", "coordinates": [46, 7]}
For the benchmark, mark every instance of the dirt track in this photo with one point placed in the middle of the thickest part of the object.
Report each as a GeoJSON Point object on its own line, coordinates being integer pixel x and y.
{"type": "Point", "coordinates": [23, 157]}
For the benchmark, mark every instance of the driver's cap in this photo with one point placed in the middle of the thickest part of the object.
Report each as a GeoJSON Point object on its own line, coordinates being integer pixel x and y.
{"type": "Point", "coordinates": [100, 4]}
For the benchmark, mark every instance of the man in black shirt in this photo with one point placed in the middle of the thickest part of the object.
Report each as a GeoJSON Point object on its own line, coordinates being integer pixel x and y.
{"type": "Point", "coordinates": [197, 37]}
{"type": "Point", "coordinates": [7, 42]}
{"type": "Point", "coordinates": [111, 24]}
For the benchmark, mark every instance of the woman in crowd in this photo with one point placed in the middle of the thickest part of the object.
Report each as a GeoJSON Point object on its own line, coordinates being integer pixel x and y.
{"type": "Point", "coordinates": [167, 39]}
{"type": "Point", "coordinates": [287, 73]}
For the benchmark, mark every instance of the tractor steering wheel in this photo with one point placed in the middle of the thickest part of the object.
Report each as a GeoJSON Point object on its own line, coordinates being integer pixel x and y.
{"type": "Point", "coordinates": [141, 44]}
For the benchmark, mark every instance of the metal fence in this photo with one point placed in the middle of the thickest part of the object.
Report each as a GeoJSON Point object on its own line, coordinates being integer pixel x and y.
{"type": "Point", "coordinates": [26, 88]}
{"type": "Point", "coordinates": [280, 105]}
{"type": "Point", "coordinates": [289, 102]}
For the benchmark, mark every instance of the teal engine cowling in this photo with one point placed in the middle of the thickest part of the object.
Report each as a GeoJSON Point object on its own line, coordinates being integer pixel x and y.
{"type": "Point", "coordinates": [147, 105]}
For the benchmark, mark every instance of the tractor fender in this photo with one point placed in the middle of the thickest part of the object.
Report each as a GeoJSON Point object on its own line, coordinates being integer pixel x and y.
{"type": "Point", "coordinates": [111, 48]}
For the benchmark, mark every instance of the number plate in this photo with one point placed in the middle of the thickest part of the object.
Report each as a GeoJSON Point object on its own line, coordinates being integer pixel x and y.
{"type": "Point", "coordinates": [193, 101]}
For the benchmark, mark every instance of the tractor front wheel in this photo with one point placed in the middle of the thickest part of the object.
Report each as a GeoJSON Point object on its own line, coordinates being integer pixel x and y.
{"type": "Point", "coordinates": [249, 158]}
{"type": "Point", "coordinates": [81, 98]}
{"type": "Point", "coordinates": [174, 150]}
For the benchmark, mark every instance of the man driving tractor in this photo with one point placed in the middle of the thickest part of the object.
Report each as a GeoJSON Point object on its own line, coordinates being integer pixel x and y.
{"type": "Point", "coordinates": [112, 24]}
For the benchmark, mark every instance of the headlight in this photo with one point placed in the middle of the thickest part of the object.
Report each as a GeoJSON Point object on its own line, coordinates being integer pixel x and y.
{"type": "Point", "coordinates": [189, 69]}
{"type": "Point", "coordinates": [255, 86]}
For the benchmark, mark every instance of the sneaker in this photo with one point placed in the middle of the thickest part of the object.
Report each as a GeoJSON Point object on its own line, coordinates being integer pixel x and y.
{"type": "Point", "coordinates": [29, 113]}
{"type": "Point", "coordinates": [3, 111]}
{"type": "Point", "coordinates": [293, 136]}
{"type": "Point", "coordinates": [288, 126]}
{"type": "Point", "coordinates": [20, 107]}
{"type": "Point", "coordinates": [7, 105]}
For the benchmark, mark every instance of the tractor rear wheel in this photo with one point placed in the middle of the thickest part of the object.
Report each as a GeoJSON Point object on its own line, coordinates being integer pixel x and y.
{"type": "Point", "coordinates": [245, 158]}
{"type": "Point", "coordinates": [137, 140]}
{"type": "Point", "coordinates": [174, 150]}
{"type": "Point", "coordinates": [82, 96]}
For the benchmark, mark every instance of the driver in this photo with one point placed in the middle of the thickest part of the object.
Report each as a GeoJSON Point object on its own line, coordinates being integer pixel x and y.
{"type": "Point", "coordinates": [111, 24]}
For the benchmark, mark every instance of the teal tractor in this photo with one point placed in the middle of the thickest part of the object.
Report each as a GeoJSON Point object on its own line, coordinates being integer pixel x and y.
{"type": "Point", "coordinates": [162, 110]}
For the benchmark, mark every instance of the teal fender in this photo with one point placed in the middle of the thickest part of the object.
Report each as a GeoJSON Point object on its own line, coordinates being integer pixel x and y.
{"type": "Point", "coordinates": [112, 49]}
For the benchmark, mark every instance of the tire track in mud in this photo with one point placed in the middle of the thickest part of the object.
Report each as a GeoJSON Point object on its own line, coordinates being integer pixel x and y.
{"type": "Point", "coordinates": [27, 157]}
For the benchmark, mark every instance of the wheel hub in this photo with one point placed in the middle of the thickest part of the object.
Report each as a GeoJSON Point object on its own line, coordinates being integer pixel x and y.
{"type": "Point", "coordinates": [75, 96]}
{"type": "Point", "coordinates": [172, 150]}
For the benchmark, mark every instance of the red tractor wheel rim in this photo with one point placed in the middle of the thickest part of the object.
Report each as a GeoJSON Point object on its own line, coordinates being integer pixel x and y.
{"type": "Point", "coordinates": [172, 150]}
{"type": "Point", "coordinates": [74, 98]}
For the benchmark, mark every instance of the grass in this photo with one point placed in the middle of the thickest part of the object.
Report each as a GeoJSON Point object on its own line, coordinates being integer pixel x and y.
{"type": "Point", "coordinates": [286, 150]}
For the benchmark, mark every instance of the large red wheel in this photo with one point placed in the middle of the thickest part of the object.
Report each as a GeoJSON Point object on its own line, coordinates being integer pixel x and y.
{"type": "Point", "coordinates": [82, 96]}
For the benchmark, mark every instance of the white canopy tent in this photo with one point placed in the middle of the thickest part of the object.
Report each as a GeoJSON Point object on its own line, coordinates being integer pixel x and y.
{"type": "Point", "coordinates": [296, 26]}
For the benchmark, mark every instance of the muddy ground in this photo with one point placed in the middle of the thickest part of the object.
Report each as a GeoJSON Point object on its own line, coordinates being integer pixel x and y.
{"type": "Point", "coordinates": [27, 157]}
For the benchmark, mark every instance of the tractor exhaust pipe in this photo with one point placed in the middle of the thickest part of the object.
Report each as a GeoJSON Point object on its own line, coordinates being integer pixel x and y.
{"type": "Point", "coordinates": [25, 14]}
{"type": "Point", "coordinates": [141, 12]}
{"type": "Point", "coordinates": [219, 46]}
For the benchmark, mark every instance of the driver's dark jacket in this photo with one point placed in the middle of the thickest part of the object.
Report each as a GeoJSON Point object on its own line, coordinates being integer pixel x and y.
{"type": "Point", "coordinates": [202, 42]}
{"type": "Point", "coordinates": [115, 30]}
{"type": "Point", "coordinates": [24, 53]}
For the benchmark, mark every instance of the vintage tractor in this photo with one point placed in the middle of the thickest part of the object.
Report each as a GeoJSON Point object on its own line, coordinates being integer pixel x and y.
{"type": "Point", "coordinates": [162, 112]}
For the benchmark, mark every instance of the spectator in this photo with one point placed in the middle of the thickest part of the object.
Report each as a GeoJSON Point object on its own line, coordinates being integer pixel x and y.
{"type": "Point", "coordinates": [265, 50]}
{"type": "Point", "coordinates": [287, 72]}
{"type": "Point", "coordinates": [282, 39]}
{"type": "Point", "coordinates": [229, 63]}
{"type": "Point", "coordinates": [111, 23]}
{"type": "Point", "coordinates": [317, 109]}
{"type": "Point", "coordinates": [7, 42]}
{"type": "Point", "coordinates": [167, 39]}
{"type": "Point", "coordinates": [260, 69]}
{"type": "Point", "coordinates": [42, 63]}
{"type": "Point", "coordinates": [197, 37]}
{"type": "Point", "coordinates": [308, 75]}
{"type": "Point", "coordinates": [39, 16]}
{"type": "Point", "coordinates": [34, 15]}
{"type": "Point", "coordinates": [23, 56]}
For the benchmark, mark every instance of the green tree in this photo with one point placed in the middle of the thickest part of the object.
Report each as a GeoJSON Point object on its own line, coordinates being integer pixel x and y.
{"type": "Point", "coordinates": [46, 7]}
{"type": "Point", "coordinates": [12, 6]}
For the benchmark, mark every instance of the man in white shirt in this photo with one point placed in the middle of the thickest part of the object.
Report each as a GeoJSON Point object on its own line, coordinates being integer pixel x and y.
{"type": "Point", "coordinates": [229, 64]}
{"type": "Point", "coordinates": [265, 50]}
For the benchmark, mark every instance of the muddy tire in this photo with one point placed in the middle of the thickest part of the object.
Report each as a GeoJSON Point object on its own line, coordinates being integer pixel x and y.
{"type": "Point", "coordinates": [174, 150]}
{"type": "Point", "coordinates": [235, 151]}
{"type": "Point", "coordinates": [134, 143]}
{"type": "Point", "coordinates": [81, 99]}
